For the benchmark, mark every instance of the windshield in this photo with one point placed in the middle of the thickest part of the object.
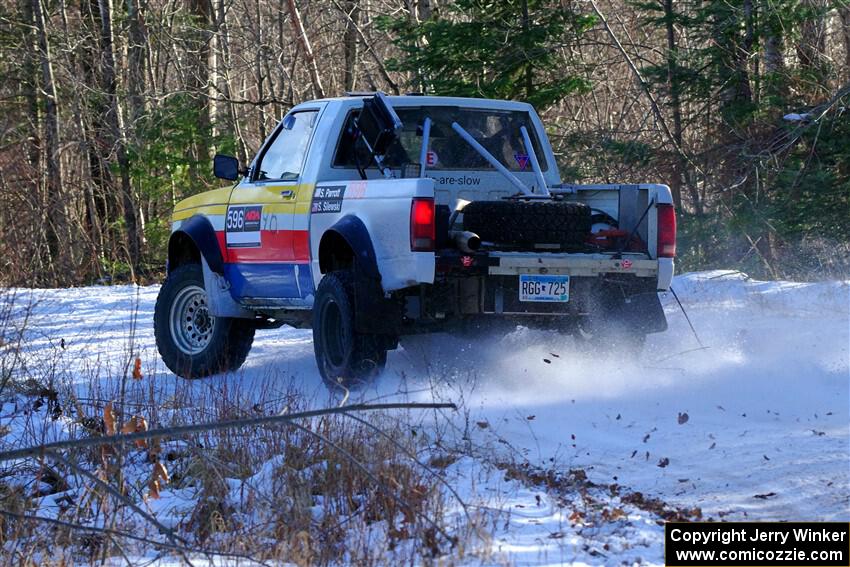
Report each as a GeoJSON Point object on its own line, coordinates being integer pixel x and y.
{"type": "Point", "coordinates": [284, 156]}
{"type": "Point", "coordinates": [496, 130]}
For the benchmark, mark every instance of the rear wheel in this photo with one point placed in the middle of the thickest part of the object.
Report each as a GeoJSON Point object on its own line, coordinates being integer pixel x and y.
{"type": "Point", "coordinates": [192, 342]}
{"type": "Point", "coordinates": [345, 358]}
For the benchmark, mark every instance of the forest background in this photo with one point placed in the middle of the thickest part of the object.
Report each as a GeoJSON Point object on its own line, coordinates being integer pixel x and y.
{"type": "Point", "coordinates": [113, 109]}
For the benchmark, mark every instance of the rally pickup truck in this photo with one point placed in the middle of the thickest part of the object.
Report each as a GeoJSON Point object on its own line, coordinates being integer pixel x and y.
{"type": "Point", "coordinates": [372, 218]}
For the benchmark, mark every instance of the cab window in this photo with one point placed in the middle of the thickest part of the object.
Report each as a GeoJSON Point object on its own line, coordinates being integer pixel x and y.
{"type": "Point", "coordinates": [284, 157]}
{"type": "Point", "coordinates": [496, 130]}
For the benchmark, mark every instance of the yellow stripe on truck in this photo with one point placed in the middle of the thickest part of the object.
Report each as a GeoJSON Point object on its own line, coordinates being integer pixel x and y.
{"type": "Point", "coordinates": [203, 210]}
{"type": "Point", "coordinates": [216, 202]}
{"type": "Point", "coordinates": [214, 197]}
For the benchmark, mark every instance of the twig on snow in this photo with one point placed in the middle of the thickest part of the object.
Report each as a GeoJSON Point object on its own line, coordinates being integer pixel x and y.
{"type": "Point", "coordinates": [118, 533]}
{"type": "Point", "coordinates": [39, 450]}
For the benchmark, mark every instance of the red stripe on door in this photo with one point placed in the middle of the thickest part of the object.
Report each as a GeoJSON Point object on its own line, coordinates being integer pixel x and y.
{"type": "Point", "coordinates": [222, 243]}
{"type": "Point", "coordinates": [277, 246]}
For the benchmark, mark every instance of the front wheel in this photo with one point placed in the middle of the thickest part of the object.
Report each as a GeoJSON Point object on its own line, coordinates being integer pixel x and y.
{"type": "Point", "coordinates": [192, 342]}
{"type": "Point", "coordinates": [345, 358]}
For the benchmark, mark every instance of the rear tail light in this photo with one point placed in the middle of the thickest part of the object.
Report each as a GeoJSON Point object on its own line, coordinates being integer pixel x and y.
{"type": "Point", "coordinates": [423, 228]}
{"type": "Point", "coordinates": [666, 231]}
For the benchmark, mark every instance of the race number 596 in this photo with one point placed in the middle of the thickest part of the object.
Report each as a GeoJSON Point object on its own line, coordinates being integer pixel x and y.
{"type": "Point", "coordinates": [235, 219]}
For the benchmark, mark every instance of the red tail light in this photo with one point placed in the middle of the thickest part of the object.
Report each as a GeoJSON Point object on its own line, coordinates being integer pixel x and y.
{"type": "Point", "coordinates": [666, 231]}
{"type": "Point", "coordinates": [422, 225]}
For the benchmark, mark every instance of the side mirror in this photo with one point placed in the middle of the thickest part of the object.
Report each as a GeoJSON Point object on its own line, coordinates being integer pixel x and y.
{"type": "Point", "coordinates": [226, 167]}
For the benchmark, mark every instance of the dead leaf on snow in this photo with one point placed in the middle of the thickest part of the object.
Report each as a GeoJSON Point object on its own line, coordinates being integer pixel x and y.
{"type": "Point", "coordinates": [109, 418]}
{"type": "Point", "coordinates": [136, 424]}
{"type": "Point", "coordinates": [137, 369]}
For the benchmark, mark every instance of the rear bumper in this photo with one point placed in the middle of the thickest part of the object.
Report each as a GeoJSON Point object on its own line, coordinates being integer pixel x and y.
{"type": "Point", "coordinates": [580, 265]}
{"type": "Point", "coordinates": [454, 263]}
{"type": "Point", "coordinates": [585, 265]}
{"type": "Point", "coordinates": [488, 284]}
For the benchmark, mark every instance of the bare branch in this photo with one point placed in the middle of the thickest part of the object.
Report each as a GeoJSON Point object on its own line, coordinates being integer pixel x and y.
{"type": "Point", "coordinates": [118, 533]}
{"type": "Point", "coordinates": [200, 427]}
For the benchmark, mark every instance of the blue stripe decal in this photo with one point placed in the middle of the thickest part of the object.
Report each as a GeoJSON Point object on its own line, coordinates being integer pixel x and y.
{"type": "Point", "coordinates": [269, 280]}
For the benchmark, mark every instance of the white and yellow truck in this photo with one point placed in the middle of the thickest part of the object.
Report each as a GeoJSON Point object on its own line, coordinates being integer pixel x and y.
{"type": "Point", "coordinates": [370, 218]}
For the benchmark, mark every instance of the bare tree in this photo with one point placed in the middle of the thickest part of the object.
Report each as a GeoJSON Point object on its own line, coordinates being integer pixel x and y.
{"type": "Point", "coordinates": [352, 13]}
{"type": "Point", "coordinates": [116, 140]}
{"type": "Point", "coordinates": [298, 26]}
{"type": "Point", "coordinates": [811, 48]}
{"type": "Point", "coordinates": [844, 23]}
{"type": "Point", "coordinates": [54, 218]}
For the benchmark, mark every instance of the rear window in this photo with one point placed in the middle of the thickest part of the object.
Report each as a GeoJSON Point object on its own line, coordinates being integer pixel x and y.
{"type": "Point", "coordinates": [496, 130]}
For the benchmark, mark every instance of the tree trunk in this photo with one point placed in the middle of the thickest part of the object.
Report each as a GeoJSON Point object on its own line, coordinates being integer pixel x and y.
{"type": "Point", "coordinates": [425, 10]}
{"type": "Point", "coordinates": [377, 59]}
{"type": "Point", "coordinates": [298, 26]}
{"type": "Point", "coordinates": [136, 64]}
{"type": "Point", "coordinates": [103, 207]}
{"type": "Point", "coordinates": [258, 70]}
{"type": "Point", "coordinates": [679, 168]}
{"type": "Point", "coordinates": [54, 215]}
{"type": "Point", "coordinates": [201, 78]}
{"type": "Point", "coordinates": [811, 49]}
{"type": "Point", "coordinates": [30, 65]}
{"type": "Point", "coordinates": [116, 139]}
{"type": "Point", "coordinates": [352, 9]}
{"type": "Point", "coordinates": [224, 43]}
{"type": "Point", "coordinates": [528, 75]}
{"type": "Point", "coordinates": [30, 86]}
{"type": "Point", "coordinates": [844, 18]}
{"type": "Point", "coordinates": [774, 59]}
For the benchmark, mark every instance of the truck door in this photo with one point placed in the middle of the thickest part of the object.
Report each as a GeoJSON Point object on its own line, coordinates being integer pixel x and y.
{"type": "Point", "coordinates": [266, 236]}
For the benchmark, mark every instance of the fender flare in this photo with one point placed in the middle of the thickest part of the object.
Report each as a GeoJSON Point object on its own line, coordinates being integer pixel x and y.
{"type": "Point", "coordinates": [200, 231]}
{"type": "Point", "coordinates": [352, 230]}
{"type": "Point", "coordinates": [374, 313]}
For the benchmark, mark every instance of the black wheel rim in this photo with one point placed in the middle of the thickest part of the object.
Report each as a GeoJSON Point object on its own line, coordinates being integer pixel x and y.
{"type": "Point", "coordinates": [332, 340]}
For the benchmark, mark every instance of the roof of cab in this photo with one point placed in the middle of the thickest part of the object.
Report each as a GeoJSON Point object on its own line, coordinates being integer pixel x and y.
{"type": "Point", "coordinates": [355, 99]}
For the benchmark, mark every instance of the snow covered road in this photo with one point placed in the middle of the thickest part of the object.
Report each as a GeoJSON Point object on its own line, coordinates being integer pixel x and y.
{"type": "Point", "coordinates": [756, 425]}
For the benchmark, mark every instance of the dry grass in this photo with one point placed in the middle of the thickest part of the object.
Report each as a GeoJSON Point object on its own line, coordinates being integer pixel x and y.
{"type": "Point", "coordinates": [323, 491]}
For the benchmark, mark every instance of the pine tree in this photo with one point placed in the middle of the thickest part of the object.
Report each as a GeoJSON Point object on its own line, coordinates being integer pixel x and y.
{"type": "Point", "coordinates": [514, 49]}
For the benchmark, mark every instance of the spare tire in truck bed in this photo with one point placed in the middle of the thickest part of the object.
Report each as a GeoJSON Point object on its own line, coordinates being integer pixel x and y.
{"type": "Point", "coordinates": [529, 223]}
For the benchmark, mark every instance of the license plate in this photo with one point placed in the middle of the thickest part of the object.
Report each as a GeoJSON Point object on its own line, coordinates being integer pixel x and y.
{"type": "Point", "coordinates": [553, 289]}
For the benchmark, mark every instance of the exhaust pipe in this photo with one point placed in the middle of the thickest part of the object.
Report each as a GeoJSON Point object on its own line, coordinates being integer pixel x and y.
{"type": "Point", "coordinates": [466, 241]}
